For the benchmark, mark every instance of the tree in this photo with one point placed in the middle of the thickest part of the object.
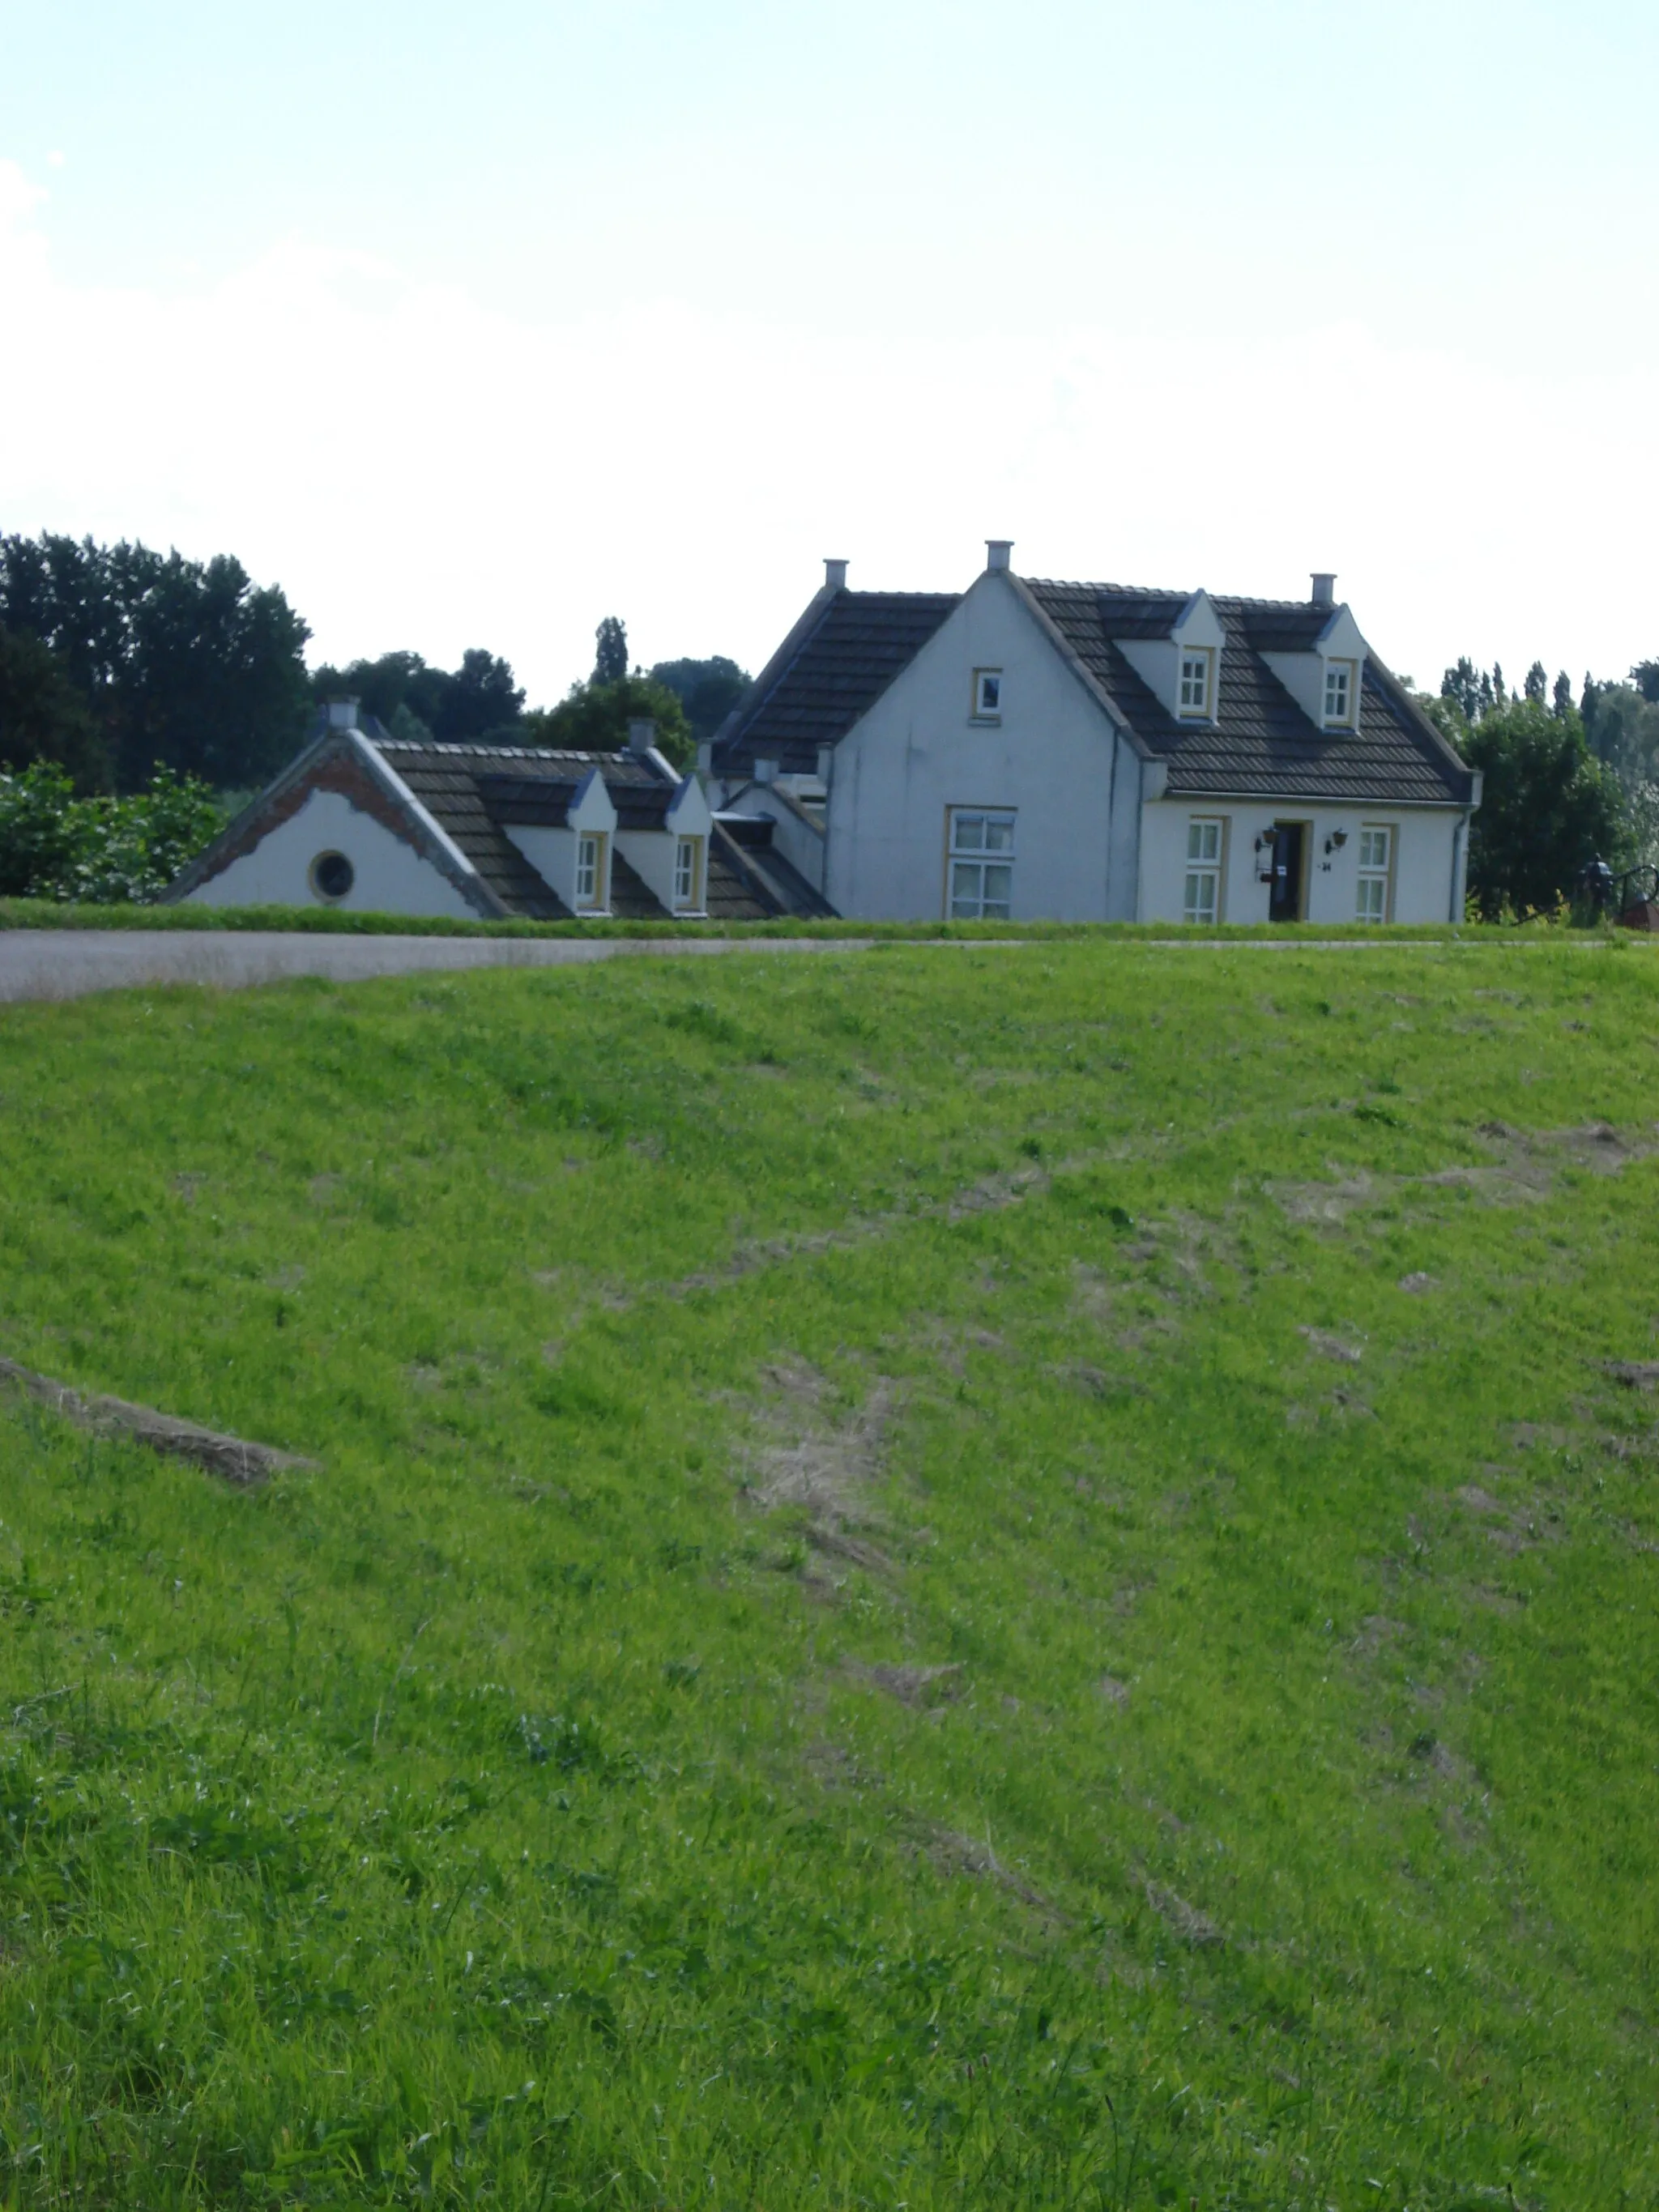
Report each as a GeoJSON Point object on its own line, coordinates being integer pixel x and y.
{"type": "Point", "coordinates": [1537, 684]}
{"type": "Point", "coordinates": [594, 718]}
{"type": "Point", "coordinates": [381, 687]}
{"type": "Point", "coordinates": [1622, 730]}
{"type": "Point", "coordinates": [707, 690]}
{"type": "Point", "coordinates": [44, 715]}
{"type": "Point", "coordinates": [1645, 677]}
{"type": "Point", "coordinates": [1547, 809]}
{"type": "Point", "coordinates": [482, 699]}
{"type": "Point", "coordinates": [183, 664]}
{"type": "Point", "coordinates": [1461, 685]}
{"type": "Point", "coordinates": [410, 698]}
{"type": "Point", "coordinates": [1561, 703]}
{"type": "Point", "coordinates": [611, 661]}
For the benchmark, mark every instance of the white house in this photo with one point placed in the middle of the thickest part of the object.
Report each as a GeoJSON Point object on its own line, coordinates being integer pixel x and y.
{"type": "Point", "coordinates": [1028, 751]}
{"type": "Point", "coordinates": [362, 820]}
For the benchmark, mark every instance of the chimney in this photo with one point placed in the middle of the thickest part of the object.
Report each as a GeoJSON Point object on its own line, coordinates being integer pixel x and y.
{"type": "Point", "coordinates": [641, 736]}
{"type": "Point", "coordinates": [835, 575]}
{"type": "Point", "coordinates": [826, 764]}
{"type": "Point", "coordinates": [1324, 589]}
{"type": "Point", "coordinates": [766, 771]}
{"type": "Point", "coordinates": [996, 550]}
{"type": "Point", "coordinates": [343, 714]}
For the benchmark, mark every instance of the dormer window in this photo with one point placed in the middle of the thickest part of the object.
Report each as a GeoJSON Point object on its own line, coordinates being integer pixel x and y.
{"type": "Point", "coordinates": [988, 695]}
{"type": "Point", "coordinates": [1197, 683]}
{"type": "Point", "coordinates": [1180, 666]}
{"type": "Point", "coordinates": [688, 875]}
{"type": "Point", "coordinates": [1340, 683]}
{"type": "Point", "coordinates": [591, 873]}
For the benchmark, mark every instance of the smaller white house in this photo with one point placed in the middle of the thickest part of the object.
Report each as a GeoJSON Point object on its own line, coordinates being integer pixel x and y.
{"type": "Point", "coordinates": [367, 822]}
{"type": "Point", "coordinates": [1033, 750]}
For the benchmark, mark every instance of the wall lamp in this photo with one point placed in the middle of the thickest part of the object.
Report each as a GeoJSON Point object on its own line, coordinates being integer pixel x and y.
{"type": "Point", "coordinates": [1336, 841]}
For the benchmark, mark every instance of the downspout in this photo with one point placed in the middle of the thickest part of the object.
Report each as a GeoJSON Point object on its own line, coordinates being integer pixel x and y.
{"type": "Point", "coordinates": [1460, 870]}
{"type": "Point", "coordinates": [1111, 825]}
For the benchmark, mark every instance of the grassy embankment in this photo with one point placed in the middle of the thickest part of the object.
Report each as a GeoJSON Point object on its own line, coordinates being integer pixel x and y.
{"type": "Point", "coordinates": [336, 921]}
{"type": "Point", "coordinates": [1000, 1581]}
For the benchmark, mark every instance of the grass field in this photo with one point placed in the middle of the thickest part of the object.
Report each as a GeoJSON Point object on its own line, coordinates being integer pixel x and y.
{"type": "Point", "coordinates": [937, 1579]}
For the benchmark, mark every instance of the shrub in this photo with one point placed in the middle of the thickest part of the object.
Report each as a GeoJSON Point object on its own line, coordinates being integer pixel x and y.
{"type": "Point", "coordinates": [109, 851]}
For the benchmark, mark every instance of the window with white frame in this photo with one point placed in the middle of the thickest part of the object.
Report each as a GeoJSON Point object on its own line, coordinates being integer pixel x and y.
{"type": "Point", "coordinates": [1197, 681]}
{"type": "Point", "coordinates": [1340, 680]}
{"type": "Point", "coordinates": [1375, 867]}
{"type": "Point", "coordinates": [590, 869]}
{"type": "Point", "coordinates": [981, 865]}
{"type": "Point", "coordinates": [988, 695]}
{"type": "Point", "coordinates": [1201, 901]}
{"type": "Point", "coordinates": [687, 873]}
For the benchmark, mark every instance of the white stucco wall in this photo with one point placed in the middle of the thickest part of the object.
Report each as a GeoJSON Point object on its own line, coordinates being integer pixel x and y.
{"type": "Point", "coordinates": [801, 842]}
{"type": "Point", "coordinates": [552, 853]}
{"type": "Point", "coordinates": [1425, 858]}
{"type": "Point", "coordinates": [392, 878]}
{"type": "Point", "coordinates": [651, 854]}
{"type": "Point", "coordinates": [1053, 758]}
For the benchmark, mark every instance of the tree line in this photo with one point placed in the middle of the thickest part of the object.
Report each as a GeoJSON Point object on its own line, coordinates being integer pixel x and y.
{"type": "Point", "coordinates": [1568, 782]}
{"type": "Point", "coordinates": [117, 662]}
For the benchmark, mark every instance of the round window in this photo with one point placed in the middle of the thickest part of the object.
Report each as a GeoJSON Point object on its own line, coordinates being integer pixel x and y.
{"type": "Point", "coordinates": [332, 875]}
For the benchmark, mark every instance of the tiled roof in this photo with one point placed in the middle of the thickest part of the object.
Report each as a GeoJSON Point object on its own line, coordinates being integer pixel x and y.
{"type": "Point", "coordinates": [1262, 743]}
{"type": "Point", "coordinates": [446, 779]}
{"type": "Point", "coordinates": [473, 791]}
{"type": "Point", "coordinates": [631, 896]}
{"type": "Point", "coordinates": [756, 880]}
{"type": "Point", "coordinates": [834, 666]}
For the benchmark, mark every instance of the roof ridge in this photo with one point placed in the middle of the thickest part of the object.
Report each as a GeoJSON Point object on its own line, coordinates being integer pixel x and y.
{"type": "Point", "coordinates": [509, 752]}
{"type": "Point", "coordinates": [1171, 592]}
{"type": "Point", "coordinates": [846, 592]}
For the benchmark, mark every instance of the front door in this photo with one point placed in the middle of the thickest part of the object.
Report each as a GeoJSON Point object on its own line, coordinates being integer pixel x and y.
{"type": "Point", "coordinates": [1285, 899]}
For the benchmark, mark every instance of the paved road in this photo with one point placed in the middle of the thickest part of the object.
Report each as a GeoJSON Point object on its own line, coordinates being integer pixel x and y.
{"type": "Point", "coordinates": [67, 964]}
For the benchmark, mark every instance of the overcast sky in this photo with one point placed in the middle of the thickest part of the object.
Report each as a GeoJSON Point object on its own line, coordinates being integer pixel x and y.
{"type": "Point", "coordinates": [469, 325]}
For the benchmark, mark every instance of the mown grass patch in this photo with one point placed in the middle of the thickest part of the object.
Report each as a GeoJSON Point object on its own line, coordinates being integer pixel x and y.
{"type": "Point", "coordinates": [1011, 1583]}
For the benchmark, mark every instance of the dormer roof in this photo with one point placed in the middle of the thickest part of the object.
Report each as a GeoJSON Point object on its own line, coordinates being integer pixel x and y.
{"type": "Point", "coordinates": [1260, 742]}
{"type": "Point", "coordinates": [476, 791]}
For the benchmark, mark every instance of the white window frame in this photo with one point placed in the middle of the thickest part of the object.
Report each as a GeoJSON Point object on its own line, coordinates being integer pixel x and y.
{"type": "Point", "coordinates": [1195, 701]}
{"type": "Point", "coordinates": [1374, 886]}
{"type": "Point", "coordinates": [592, 870]}
{"type": "Point", "coordinates": [688, 875]}
{"type": "Point", "coordinates": [1201, 896]}
{"type": "Point", "coordinates": [979, 862]}
{"type": "Point", "coordinates": [1347, 673]}
{"type": "Point", "coordinates": [987, 696]}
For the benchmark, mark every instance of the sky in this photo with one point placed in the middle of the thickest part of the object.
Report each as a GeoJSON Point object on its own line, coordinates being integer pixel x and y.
{"type": "Point", "coordinates": [470, 325]}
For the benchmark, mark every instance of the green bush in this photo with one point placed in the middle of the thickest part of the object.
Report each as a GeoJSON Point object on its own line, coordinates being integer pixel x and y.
{"type": "Point", "coordinates": [112, 851]}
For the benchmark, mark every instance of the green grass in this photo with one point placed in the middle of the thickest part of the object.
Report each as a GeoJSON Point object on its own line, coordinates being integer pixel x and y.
{"type": "Point", "coordinates": [548, 1800]}
{"type": "Point", "coordinates": [334, 921]}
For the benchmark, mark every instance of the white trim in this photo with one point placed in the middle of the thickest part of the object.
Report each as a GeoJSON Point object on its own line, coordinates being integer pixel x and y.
{"type": "Point", "coordinates": [384, 770]}
{"type": "Point", "coordinates": [1201, 866]}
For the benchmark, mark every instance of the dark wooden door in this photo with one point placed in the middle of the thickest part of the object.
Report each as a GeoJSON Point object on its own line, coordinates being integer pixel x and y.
{"type": "Point", "coordinates": [1285, 900]}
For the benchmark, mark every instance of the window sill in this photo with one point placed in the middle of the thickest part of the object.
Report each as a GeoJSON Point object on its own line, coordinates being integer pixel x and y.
{"type": "Point", "coordinates": [985, 721]}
